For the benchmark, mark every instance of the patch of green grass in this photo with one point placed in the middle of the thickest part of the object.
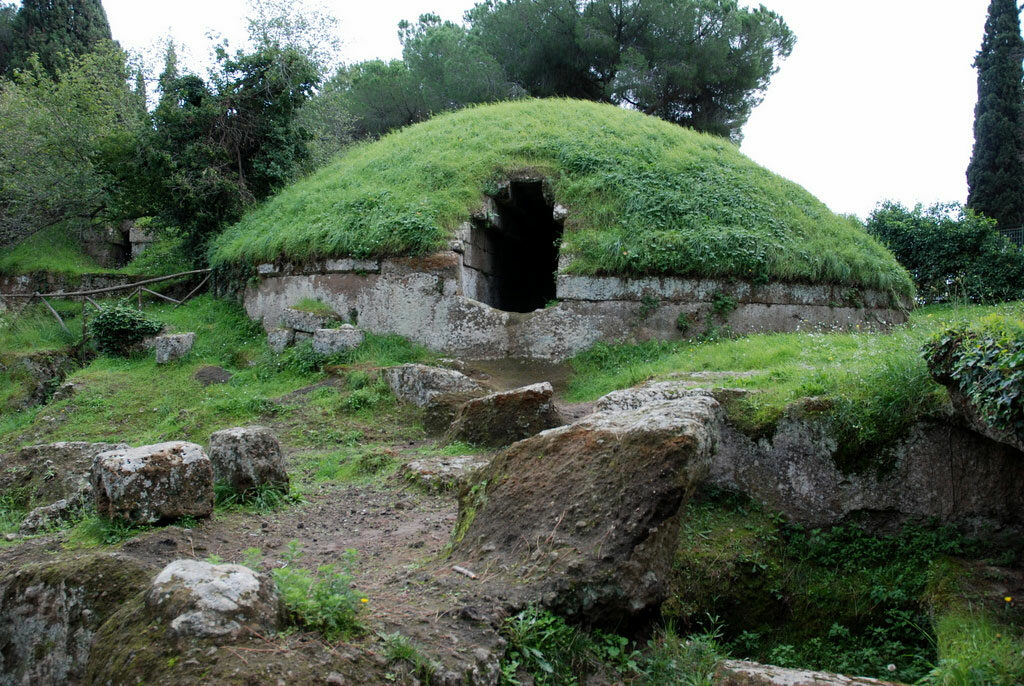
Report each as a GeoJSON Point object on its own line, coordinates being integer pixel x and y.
{"type": "Point", "coordinates": [55, 250]}
{"type": "Point", "coordinates": [93, 531]}
{"type": "Point", "coordinates": [34, 329]}
{"type": "Point", "coordinates": [314, 307]}
{"type": "Point", "coordinates": [135, 400]}
{"type": "Point", "coordinates": [873, 385]}
{"type": "Point", "coordinates": [683, 660]}
{"type": "Point", "coordinates": [358, 464]}
{"type": "Point", "coordinates": [12, 511]}
{"type": "Point", "coordinates": [263, 499]}
{"type": "Point", "coordinates": [58, 250]}
{"type": "Point", "coordinates": [836, 599]}
{"type": "Point", "coordinates": [399, 649]}
{"type": "Point", "coordinates": [644, 197]}
{"type": "Point", "coordinates": [976, 649]}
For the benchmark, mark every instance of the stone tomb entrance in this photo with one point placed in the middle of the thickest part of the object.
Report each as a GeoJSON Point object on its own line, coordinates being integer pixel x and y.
{"type": "Point", "coordinates": [510, 249]}
{"type": "Point", "coordinates": [502, 289]}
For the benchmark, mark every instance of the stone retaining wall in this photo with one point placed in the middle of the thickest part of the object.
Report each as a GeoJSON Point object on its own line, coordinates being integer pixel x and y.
{"type": "Point", "coordinates": [423, 299]}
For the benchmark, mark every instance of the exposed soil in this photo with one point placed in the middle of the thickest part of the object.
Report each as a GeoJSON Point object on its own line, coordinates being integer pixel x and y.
{"type": "Point", "coordinates": [400, 534]}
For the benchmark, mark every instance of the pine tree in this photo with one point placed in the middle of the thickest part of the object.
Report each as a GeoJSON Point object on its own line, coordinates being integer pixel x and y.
{"type": "Point", "coordinates": [995, 176]}
{"type": "Point", "coordinates": [57, 29]}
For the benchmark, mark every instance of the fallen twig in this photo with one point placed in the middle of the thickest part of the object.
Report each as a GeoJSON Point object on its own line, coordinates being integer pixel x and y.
{"type": "Point", "coordinates": [464, 572]}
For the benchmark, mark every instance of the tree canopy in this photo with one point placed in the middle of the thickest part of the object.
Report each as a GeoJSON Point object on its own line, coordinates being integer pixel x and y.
{"type": "Point", "coordinates": [703, 64]}
{"type": "Point", "coordinates": [54, 135]}
{"type": "Point", "coordinates": [55, 30]}
{"type": "Point", "coordinates": [995, 176]}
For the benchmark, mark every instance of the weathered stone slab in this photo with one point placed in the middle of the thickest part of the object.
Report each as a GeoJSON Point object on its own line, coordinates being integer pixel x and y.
{"type": "Point", "coordinates": [51, 472]}
{"type": "Point", "coordinates": [584, 516]}
{"type": "Point", "coordinates": [441, 409]}
{"type": "Point", "coordinates": [439, 474]}
{"type": "Point", "coordinates": [418, 383]}
{"type": "Point", "coordinates": [307, 322]}
{"type": "Point", "coordinates": [740, 673]}
{"type": "Point", "coordinates": [153, 483]}
{"type": "Point", "coordinates": [331, 341]}
{"type": "Point", "coordinates": [247, 458]}
{"type": "Point", "coordinates": [170, 347]}
{"type": "Point", "coordinates": [204, 600]}
{"type": "Point", "coordinates": [506, 417]}
{"type": "Point", "coordinates": [352, 265]}
{"type": "Point", "coordinates": [279, 339]}
{"type": "Point", "coordinates": [634, 398]}
{"type": "Point", "coordinates": [47, 516]}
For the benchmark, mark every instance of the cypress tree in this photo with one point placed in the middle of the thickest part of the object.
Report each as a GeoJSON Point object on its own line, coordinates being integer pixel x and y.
{"type": "Point", "coordinates": [55, 29]}
{"type": "Point", "coordinates": [995, 176]}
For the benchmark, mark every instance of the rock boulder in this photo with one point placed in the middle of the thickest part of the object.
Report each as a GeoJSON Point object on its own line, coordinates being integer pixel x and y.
{"type": "Point", "coordinates": [439, 474]}
{"type": "Point", "coordinates": [418, 383]}
{"type": "Point", "coordinates": [738, 673]}
{"type": "Point", "coordinates": [279, 339]}
{"type": "Point", "coordinates": [50, 612]}
{"type": "Point", "coordinates": [172, 347]}
{"type": "Point", "coordinates": [153, 483]}
{"type": "Point", "coordinates": [306, 322]}
{"type": "Point", "coordinates": [584, 517]}
{"type": "Point", "coordinates": [331, 341]}
{"type": "Point", "coordinates": [204, 600]}
{"type": "Point", "coordinates": [247, 458]}
{"type": "Point", "coordinates": [502, 418]}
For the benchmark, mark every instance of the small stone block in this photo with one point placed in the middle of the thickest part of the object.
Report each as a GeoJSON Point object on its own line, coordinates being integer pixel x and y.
{"type": "Point", "coordinates": [153, 483]}
{"type": "Point", "coordinates": [279, 339]}
{"type": "Point", "coordinates": [173, 346]}
{"type": "Point", "coordinates": [330, 341]}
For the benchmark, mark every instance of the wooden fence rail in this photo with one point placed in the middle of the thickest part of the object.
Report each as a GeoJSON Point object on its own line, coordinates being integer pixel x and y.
{"type": "Point", "coordinates": [136, 289]}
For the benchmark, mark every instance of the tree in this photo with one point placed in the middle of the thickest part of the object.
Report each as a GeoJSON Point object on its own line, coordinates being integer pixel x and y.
{"type": "Point", "coordinates": [56, 31]}
{"type": "Point", "coordinates": [451, 68]}
{"type": "Point", "coordinates": [53, 134]}
{"type": "Point", "coordinates": [215, 147]}
{"type": "Point", "coordinates": [442, 68]}
{"type": "Point", "coordinates": [700, 63]}
{"type": "Point", "coordinates": [995, 175]}
{"type": "Point", "coordinates": [951, 252]}
{"type": "Point", "coordinates": [7, 15]}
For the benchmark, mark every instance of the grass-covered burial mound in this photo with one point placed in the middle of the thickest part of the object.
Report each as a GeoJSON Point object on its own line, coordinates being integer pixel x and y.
{"type": "Point", "coordinates": [644, 197]}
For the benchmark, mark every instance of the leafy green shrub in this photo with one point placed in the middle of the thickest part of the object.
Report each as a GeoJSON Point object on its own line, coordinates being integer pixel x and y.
{"type": "Point", "coordinates": [986, 362]}
{"type": "Point", "coordinates": [951, 252]}
{"type": "Point", "coordinates": [117, 328]}
{"type": "Point", "coordinates": [320, 600]}
{"type": "Point", "coordinates": [554, 653]}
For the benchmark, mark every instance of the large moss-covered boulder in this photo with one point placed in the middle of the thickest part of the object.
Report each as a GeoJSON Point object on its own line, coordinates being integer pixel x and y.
{"type": "Point", "coordinates": [50, 613]}
{"type": "Point", "coordinates": [585, 518]}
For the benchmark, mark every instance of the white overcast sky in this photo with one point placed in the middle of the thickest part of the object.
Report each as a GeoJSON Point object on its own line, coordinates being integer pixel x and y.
{"type": "Point", "coordinates": [876, 101]}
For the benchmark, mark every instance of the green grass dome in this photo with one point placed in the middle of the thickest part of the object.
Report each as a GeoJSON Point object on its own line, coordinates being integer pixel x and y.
{"type": "Point", "coordinates": [645, 198]}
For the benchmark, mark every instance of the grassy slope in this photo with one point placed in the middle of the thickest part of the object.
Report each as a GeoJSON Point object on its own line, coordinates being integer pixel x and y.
{"type": "Point", "coordinates": [134, 400]}
{"type": "Point", "coordinates": [55, 250]}
{"type": "Point", "coordinates": [645, 197]}
{"type": "Point", "coordinates": [874, 384]}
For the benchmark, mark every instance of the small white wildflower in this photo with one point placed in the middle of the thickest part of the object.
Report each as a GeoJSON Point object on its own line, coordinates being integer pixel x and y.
{"type": "Point", "coordinates": [891, 667]}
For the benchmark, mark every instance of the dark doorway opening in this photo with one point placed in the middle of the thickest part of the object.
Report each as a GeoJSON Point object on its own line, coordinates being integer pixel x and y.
{"type": "Point", "coordinates": [511, 256]}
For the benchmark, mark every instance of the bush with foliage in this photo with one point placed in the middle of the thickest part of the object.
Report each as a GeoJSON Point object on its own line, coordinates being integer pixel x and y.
{"type": "Point", "coordinates": [986, 362]}
{"type": "Point", "coordinates": [118, 328]}
{"type": "Point", "coordinates": [322, 600]}
{"type": "Point", "coordinates": [951, 252]}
